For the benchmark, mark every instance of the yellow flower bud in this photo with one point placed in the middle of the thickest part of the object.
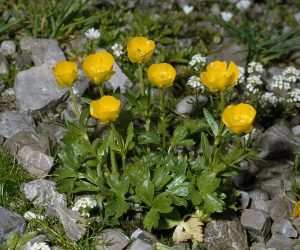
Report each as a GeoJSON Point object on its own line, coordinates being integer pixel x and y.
{"type": "Point", "coordinates": [161, 75]}
{"type": "Point", "coordinates": [106, 109]}
{"type": "Point", "coordinates": [140, 49]}
{"type": "Point", "coordinates": [66, 73]}
{"type": "Point", "coordinates": [98, 67]}
{"type": "Point", "coordinates": [239, 118]}
{"type": "Point", "coordinates": [296, 211]}
{"type": "Point", "coordinates": [218, 77]}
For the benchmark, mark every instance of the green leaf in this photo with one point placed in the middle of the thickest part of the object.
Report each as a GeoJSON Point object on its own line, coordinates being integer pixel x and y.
{"type": "Point", "coordinates": [116, 206]}
{"type": "Point", "coordinates": [12, 240]}
{"type": "Point", "coordinates": [119, 185]}
{"type": "Point", "coordinates": [145, 192]}
{"type": "Point", "coordinates": [205, 146]}
{"type": "Point", "coordinates": [212, 204]}
{"type": "Point", "coordinates": [66, 185]}
{"type": "Point", "coordinates": [162, 202]}
{"type": "Point", "coordinates": [211, 122]}
{"type": "Point", "coordinates": [149, 138]}
{"type": "Point", "coordinates": [25, 238]}
{"type": "Point", "coordinates": [85, 115]}
{"type": "Point", "coordinates": [178, 187]}
{"type": "Point", "coordinates": [151, 219]}
{"type": "Point", "coordinates": [207, 182]}
{"type": "Point", "coordinates": [84, 186]}
{"type": "Point", "coordinates": [167, 221]}
{"type": "Point", "coordinates": [161, 177]}
{"type": "Point", "coordinates": [129, 136]}
{"type": "Point", "coordinates": [166, 40]}
{"type": "Point", "coordinates": [138, 173]}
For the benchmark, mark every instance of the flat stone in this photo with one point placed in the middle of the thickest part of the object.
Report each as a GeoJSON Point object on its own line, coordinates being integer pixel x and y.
{"type": "Point", "coordinates": [3, 65]}
{"type": "Point", "coordinates": [8, 48]}
{"type": "Point", "coordinates": [115, 237]}
{"type": "Point", "coordinates": [284, 227]}
{"type": "Point", "coordinates": [140, 244]}
{"type": "Point", "coordinates": [143, 235]}
{"type": "Point", "coordinates": [36, 89]}
{"type": "Point", "coordinates": [258, 246]}
{"type": "Point", "coordinates": [35, 141]}
{"type": "Point", "coordinates": [274, 187]}
{"type": "Point", "coordinates": [185, 106]}
{"type": "Point", "coordinates": [42, 50]}
{"type": "Point", "coordinates": [258, 195]}
{"type": "Point", "coordinates": [119, 80]}
{"type": "Point", "coordinates": [279, 208]}
{"type": "Point", "coordinates": [36, 163]}
{"type": "Point", "coordinates": [11, 123]}
{"type": "Point", "coordinates": [260, 205]}
{"type": "Point", "coordinates": [256, 221]}
{"type": "Point", "coordinates": [296, 130]}
{"type": "Point", "coordinates": [53, 131]}
{"type": "Point", "coordinates": [225, 233]}
{"type": "Point", "coordinates": [280, 242]}
{"type": "Point", "coordinates": [10, 222]}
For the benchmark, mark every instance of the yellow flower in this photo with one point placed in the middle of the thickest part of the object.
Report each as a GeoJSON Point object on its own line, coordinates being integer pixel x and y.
{"type": "Point", "coordinates": [239, 118]}
{"type": "Point", "coordinates": [140, 49]}
{"type": "Point", "coordinates": [106, 109]}
{"type": "Point", "coordinates": [98, 67]}
{"type": "Point", "coordinates": [66, 73]}
{"type": "Point", "coordinates": [296, 211]}
{"type": "Point", "coordinates": [161, 75]}
{"type": "Point", "coordinates": [218, 77]}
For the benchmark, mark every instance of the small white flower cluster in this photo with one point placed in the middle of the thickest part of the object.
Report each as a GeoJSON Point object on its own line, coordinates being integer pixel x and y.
{"type": "Point", "coordinates": [195, 83]}
{"type": "Point", "coordinates": [226, 16]}
{"type": "Point", "coordinates": [83, 205]}
{"type": "Point", "coordinates": [255, 68]}
{"type": "Point", "coordinates": [39, 246]}
{"type": "Point", "coordinates": [31, 216]}
{"type": "Point", "coordinates": [291, 74]}
{"type": "Point", "coordinates": [92, 34]}
{"type": "Point", "coordinates": [243, 4]}
{"type": "Point", "coordinates": [294, 95]}
{"type": "Point", "coordinates": [267, 99]}
{"type": "Point", "coordinates": [279, 82]}
{"type": "Point", "coordinates": [187, 9]}
{"type": "Point", "coordinates": [241, 78]}
{"type": "Point", "coordinates": [197, 61]}
{"type": "Point", "coordinates": [117, 50]}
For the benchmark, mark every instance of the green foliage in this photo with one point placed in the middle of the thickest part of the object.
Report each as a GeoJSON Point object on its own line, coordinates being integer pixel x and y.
{"type": "Point", "coordinates": [16, 241]}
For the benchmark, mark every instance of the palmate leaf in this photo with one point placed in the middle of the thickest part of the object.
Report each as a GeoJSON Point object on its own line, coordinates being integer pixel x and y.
{"type": "Point", "coordinates": [145, 192]}
{"type": "Point", "coordinates": [179, 135]}
{"type": "Point", "coordinates": [162, 202]}
{"type": "Point", "coordinates": [119, 185]}
{"type": "Point", "coordinates": [116, 206]}
{"type": "Point", "coordinates": [151, 219]}
{"type": "Point", "coordinates": [161, 177]}
{"type": "Point", "coordinates": [178, 187]}
{"type": "Point", "coordinates": [212, 204]}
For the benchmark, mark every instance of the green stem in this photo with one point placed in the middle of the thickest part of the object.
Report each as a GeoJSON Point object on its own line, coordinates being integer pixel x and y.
{"type": "Point", "coordinates": [238, 143]}
{"type": "Point", "coordinates": [162, 110]}
{"type": "Point", "coordinates": [75, 102]}
{"type": "Point", "coordinates": [112, 153]}
{"type": "Point", "coordinates": [142, 85]}
{"type": "Point", "coordinates": [123, 162]}
{"type": "Point", "coordinates": [217, 140]}
{"type": "Point", "coordinates": [101, 90]}
{"type": "Point", "coordinates": [222, 105]}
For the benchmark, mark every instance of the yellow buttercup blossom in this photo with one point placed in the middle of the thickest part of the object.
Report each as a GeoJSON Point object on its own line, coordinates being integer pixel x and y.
{"type": "Point", "coordinates": [218, 77]}
{"type": "Point", "coordinates": [98, 67]}
{"type": "Point", "coordinates": [239, 118]}
{"type": "Point", "coordinates": [66, 73]}
{"type": "Point", "coordinates": [296, 211]}
{"type": "Point", "coordinates": [106, 109]}
{"type": "Point", "coordinates": [140, 49]}
{"type": "Point", "coordinates": [161, 75]}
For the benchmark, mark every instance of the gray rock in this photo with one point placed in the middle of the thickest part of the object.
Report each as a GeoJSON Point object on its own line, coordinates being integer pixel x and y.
{"type": "Point", "coordinates": [112, 239]}
{"type": "Point", "coordinates": [143, 235]}
{"type": "Point", "coordinates": [244, 199]}
{"type": "Point", "coordinates": [81, 85]}
{"type": "Point", "coordinates": [79, 43]}
{"type": "Point", "coordinates": [185, 106]}
{"type": "Point", "coordinates": [7, 48]}
{"type": "Point", "coordinates": [10, 222]}
{"type": "Point", "coordinates": [278, 141]}
{"type": "Point", "coordinates": [42, 50]}
{"type": "Point", "coordinates": [274, 187]}
{"type": "Point", "coordinates": [258, 195]}
{"type": "Point", "coordinates": [119, 80]}
{"type": "Point", "coordinates": [36, 163]}
{"type": "Point", "coordinates": [181, 246]}
{"type": "Point", "coordinates": [296, 224]}
{"type": "Point", "coordinates": [260, 205]}
{"type": "Point", "coordinates": [258, 246]}
{"type": "Point", "coordinates": [140, 244]}
{"type": "Point", "coordinates": [43, 193]}
{"type": "Point", "coordinates": [225, 233]}
{"type": "Point", "coordinates": [12, 123]}
{"type": "Point", "coordinates": [284, 227]}
{"type": "Point", "coordinates": [3, 65]}
{"type": "Point", "coordinates": [215, 9]}
{"type": "Point", "coordinates": [256, 221]}
{"type": "Point", "coordinates": [279, 208]}
{"type": "Point", "coordinates": [39, 238]}
{"type": "Point", "coordinates": [35, 141]}
{"type": "Point", "coordinates": [53, 131]}
{"type": "Point", "coordinates": [37, 89]}
{"type": "Point", "coordinates": [296, 130]}
{"type": "Point", "coordinates": [279, 242]}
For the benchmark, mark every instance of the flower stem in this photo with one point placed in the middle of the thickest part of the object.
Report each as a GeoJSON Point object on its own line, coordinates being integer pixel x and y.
{"type": "Point", "coordinates": [162, 110]}
{"type": "Point", "coordinates": [112, 153]}
{"type": "Point", "coordinates": [74, 101]}
{"type": "Point", "coordinates": [142, 85]}
{"type": "Point", "coordinates": [101, 90]}
{"type": "Point", "coordinates": [222, 105]}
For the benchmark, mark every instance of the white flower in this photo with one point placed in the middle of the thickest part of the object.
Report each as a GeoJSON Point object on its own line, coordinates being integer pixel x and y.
{"type": "Point", "coordinates": [226, 16]}
{"type": "Point", "coordinates": [291, 74]}
{"type": "Point", "coordinates": [83, 205]}
{"type": "Point", "coordinates": [197, 61]}
{"type": "Point", "coordinates": [39, 246]}
{"type": "Point", "coordinates": [187, 9]}
{"type": "Point", "coordinates": [117, 49]}
{"type": "Point", "coordinates": [254, 80]}
{"type": "Point", "coordinates": [30, 216]}
{"type": "Point", "coordinates": [280, 83]}
{"type": "Point", "coordinates": [268, 98]}
{"type": "Point", "coordinates": [241, 77]}
{"type": "Point", "coordinates": [294, 95]}
{"type": "Point", "coordinates": [92, 34]}
{"type": "Point", "coordinates": [243, 4]}
{"type": "Point", "coordinates": [195, 83]}
{"type": "Point", "coordinates": [255, 68]}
